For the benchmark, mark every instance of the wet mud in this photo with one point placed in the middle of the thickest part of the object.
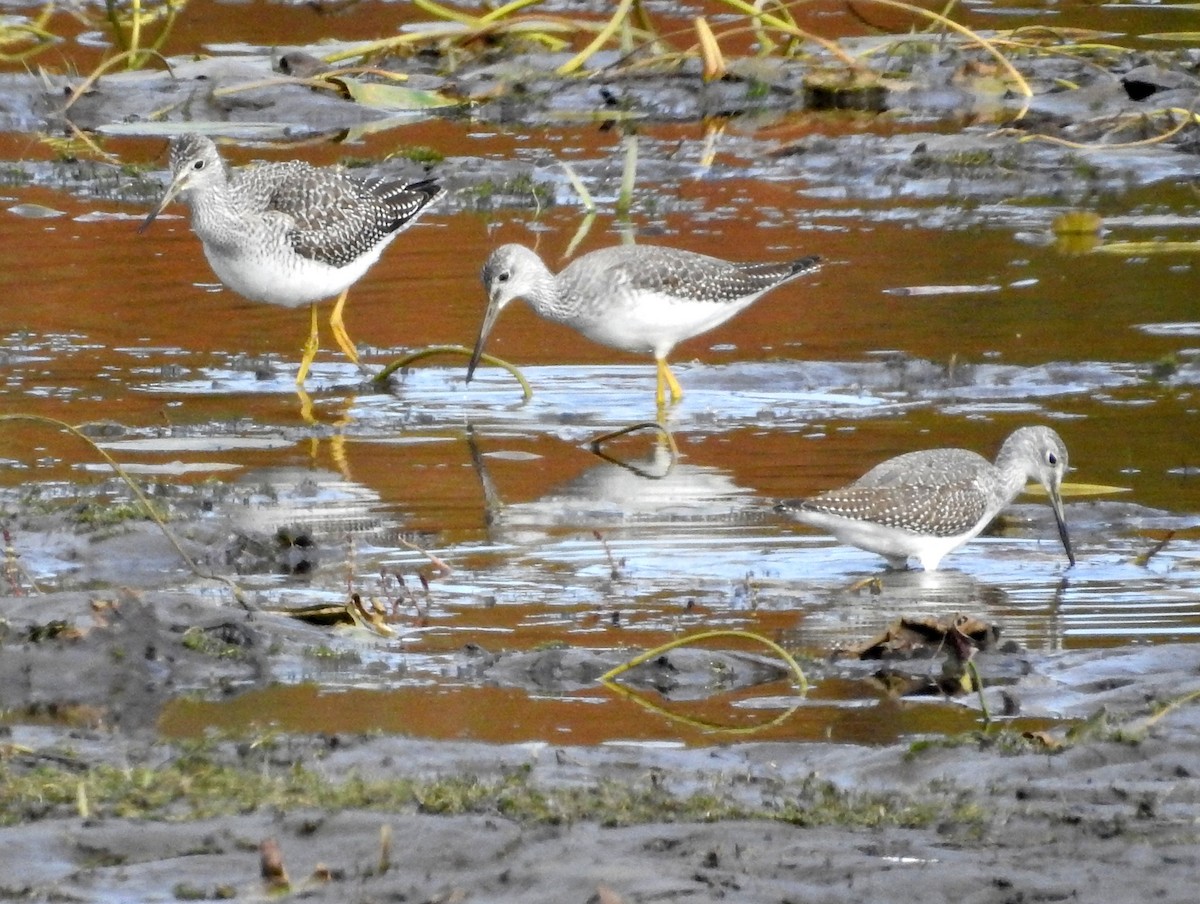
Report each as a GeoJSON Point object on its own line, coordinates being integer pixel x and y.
{"type": "Point", "coordinates": [1085, 774]}
{"type": "Point", "coordinates": [983, 817]}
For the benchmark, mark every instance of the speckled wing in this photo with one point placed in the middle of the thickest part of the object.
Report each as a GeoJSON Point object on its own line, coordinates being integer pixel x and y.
{"type": "Point", "coordinates": [693, 277]}
{"type": "Point", "coordinates": [929, 468]}
{"type": "Point", "coordinates": [337, 218]}
{"type": "Point", "coordinates": [257, 184]}
{"type": "Point", "coordinates": [945, 511]}
{"type": "Point", "coordinates": [933, 492]}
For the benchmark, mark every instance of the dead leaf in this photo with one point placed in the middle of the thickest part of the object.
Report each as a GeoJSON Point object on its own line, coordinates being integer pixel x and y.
{"type": "Point", "coordinates": [385, 848]}
{"type": "Point", "coordinates": [906, 636]}
{"type": "Point", "coordinates": [322, 615]}
{"type": "Point", "coordinates": [1077, 222]}
{"type": "Point", "coordinates": [1043, 739]}
{"type": "Point", "coordinates": [606, 895]}
{"type": "Point", "coordinates": [321, 873]}
{"type": "Point", "coordinates": [1076, 489]}
{"type": "Point", "coordinates": [271, 866]}
{"type": "Point", "coordinates": [393, 98]}
{"type": "Point", "coordinates": [372, 619]}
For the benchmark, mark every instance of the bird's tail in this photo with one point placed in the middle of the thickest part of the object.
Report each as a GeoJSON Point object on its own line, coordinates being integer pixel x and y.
{"type": "Point", "coordinates": [805, 264]}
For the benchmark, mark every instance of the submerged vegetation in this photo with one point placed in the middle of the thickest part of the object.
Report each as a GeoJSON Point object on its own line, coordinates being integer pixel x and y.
{"type": "Point", "coordinates": [730, 44]}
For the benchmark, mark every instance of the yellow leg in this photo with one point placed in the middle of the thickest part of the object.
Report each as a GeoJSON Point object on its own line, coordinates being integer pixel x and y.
{"type": "Point", "coordinates": [339, 329]}
{"type": "Point", "coordinates": [337, 442]}
{"type": "Point", "coordinates": [306, 408]}
{"type": "Point", "coordinates": [310, 347]}
{"type": "Point", "coordinates": [666, 377]}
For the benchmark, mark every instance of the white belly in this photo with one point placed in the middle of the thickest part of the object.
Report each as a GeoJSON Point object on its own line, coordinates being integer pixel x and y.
{"type": "Point", "coordinates": [894, 544]}
{"type": "Point", "coordinates": [286, 278]}
{"type": "Point", "coordinates": [654, 323]}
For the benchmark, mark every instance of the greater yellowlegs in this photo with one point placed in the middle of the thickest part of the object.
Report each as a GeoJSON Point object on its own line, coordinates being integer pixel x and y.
{"type": "Point", "coordinates": [637, 298]}
{"type": "Point", "coordinates": [290, 233]}
{"type": "Point", "coordinates": [923, 505]}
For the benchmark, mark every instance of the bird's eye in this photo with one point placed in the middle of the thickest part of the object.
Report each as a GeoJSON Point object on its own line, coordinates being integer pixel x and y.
{"type": "Point", "coordinates": [502, 276]}
{"type": "Point", "coordinates": [198, 165]}
{"type": "Point", "coordinates": [1052, 458]}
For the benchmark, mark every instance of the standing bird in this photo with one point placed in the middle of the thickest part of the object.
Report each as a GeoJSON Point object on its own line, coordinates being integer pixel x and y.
{"type": "Point", "coordinates": [290, 233]}
{"type": "Point", "coordinates": [923, 505]}
{"type": "Point", "coordinates": [637, 298]}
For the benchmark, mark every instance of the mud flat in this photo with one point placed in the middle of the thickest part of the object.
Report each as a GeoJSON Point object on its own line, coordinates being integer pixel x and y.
{"type": "Point", "coordinates": [98, 807]}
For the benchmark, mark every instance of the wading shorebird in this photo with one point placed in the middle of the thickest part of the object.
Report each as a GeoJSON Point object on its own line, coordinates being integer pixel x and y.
{"type": "Point", "coordinates": [923, 505]}
{"type": "Point", "coordinates": [637, 298]}
{"type": "Point", "coordinates": [290, 234]}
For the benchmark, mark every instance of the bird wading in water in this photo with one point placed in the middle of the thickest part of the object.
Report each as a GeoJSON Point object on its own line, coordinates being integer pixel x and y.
{"type": "Point", "coordinates": [637, 298]}
{"type": "Point", "coordinates": [290, 234]}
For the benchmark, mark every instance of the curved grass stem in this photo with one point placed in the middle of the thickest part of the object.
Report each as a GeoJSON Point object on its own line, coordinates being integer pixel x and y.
{"type": "Point", "coordinates": [594, 445]}
{"type": "Point", "coordinates": [984, 44]}
{"type": "Point", "coordinates": [613, 673]}
{"type": "Point", "coordinates": [1189, 118]}
{"type": "Point", "coordinates": [432, 350]}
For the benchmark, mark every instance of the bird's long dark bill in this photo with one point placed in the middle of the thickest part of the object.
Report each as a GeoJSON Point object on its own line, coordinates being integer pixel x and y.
{"type": "Point", "coordinates": [489, 320]}
{"type": "Point", "coordinates": [167, 198]}
{"type": "Point", "coordinates": [1057, 505]}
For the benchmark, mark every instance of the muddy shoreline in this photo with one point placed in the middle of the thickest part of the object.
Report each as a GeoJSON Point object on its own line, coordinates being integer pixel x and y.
{"type": "Point", "coordinates": [115, 812]}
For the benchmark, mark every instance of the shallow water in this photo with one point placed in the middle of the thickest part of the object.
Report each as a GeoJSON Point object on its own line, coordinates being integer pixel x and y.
{"type": "Point", "coordinates": [943, 316]}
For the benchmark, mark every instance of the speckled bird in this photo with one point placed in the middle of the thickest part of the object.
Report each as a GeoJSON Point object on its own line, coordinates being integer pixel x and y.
{"type": "Point", "coordinates": [290, 233]}
{"type": "Point", "coordinates": [638, 298]}
{"type": "Point", "coordinates": [923, 505]}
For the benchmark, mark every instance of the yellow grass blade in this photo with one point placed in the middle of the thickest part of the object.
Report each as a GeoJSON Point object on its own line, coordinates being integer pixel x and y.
{"type": "Point", "coordinates": [1078, 489]}
{"type": "Point", "coordinates": [1149, 247]}
{"type": "Point", "coordinates": [602, 37]}
{"type": "Point", "coordinates": [710, 51]}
